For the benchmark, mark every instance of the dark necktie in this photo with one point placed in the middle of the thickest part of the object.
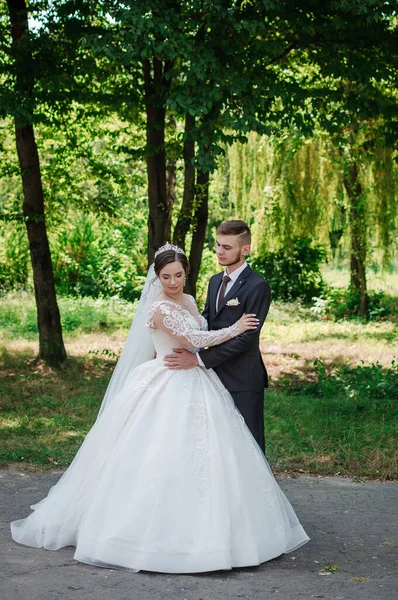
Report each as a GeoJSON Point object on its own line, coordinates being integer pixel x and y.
{"type": "Point", "coordinates": [221, 295]}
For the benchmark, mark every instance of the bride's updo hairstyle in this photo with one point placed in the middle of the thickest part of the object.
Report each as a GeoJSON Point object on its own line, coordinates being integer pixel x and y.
{"type": "Point", "coordinates": [170, 256]}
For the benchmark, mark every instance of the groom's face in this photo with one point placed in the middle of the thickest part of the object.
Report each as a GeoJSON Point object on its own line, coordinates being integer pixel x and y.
{"type": "Point", "coordinates": [229, 251]}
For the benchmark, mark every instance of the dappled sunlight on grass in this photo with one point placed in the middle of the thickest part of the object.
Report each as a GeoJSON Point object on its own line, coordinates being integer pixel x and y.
{"type": "Point", "coordinates": [10, 423]}
{"type": "Point", "coordinates": [18, 316]}
{"type": "Point", "coordinates": [317, 435]}
{"type": "Point", "coordinates": [386, 282]}
{"type": "Point", "coordinates": [46, 412]}
{"type": "Point", "coordinates": [293, 339]}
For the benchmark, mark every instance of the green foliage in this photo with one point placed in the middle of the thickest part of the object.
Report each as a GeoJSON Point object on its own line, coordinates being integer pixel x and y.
{"type": "Point", "coordinates": [92, 259]}
{"type": "Point", "coordinates": [346, 422]}
{"type": "Point", "coordinates": [14, 259]}
{"type": "Point", "coordinates": [237, 68]}
{"type": "Point", "coordinates": [339, 303]}
{"type": "Point", "coordinates": [208, 267]}
{"type": "Point", "coordinates": [18, 318]}
{"type": "Point", "coordinates": [285, 186]}
{"type": "Point", "coordinates": [359, 389]}
{"type": "Point", "coordinates": [96, 213]}
{"type": "Point", "coordinates": [293, 272]}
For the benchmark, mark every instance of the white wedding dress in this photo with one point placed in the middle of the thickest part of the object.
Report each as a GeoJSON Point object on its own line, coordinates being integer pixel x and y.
{"type": "Point", "coordinates": [169, 478]}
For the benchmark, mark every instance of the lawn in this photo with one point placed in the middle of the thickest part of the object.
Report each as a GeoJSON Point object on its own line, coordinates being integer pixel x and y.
{"type": "Point", "coordinates": [332, 406]}
{"type": "Point", "coordinates": [376, 280]}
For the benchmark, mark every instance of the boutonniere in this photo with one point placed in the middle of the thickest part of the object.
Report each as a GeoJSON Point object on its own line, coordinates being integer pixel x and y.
{"type": "Point", "coordinates": [233, 302]}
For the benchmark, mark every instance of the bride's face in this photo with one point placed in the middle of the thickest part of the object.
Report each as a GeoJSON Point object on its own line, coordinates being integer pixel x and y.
{"type": "Point", "coordinates": [172, 278]}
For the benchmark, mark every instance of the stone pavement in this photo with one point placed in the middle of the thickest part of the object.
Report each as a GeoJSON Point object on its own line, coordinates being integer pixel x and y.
{"type": "Point", "coordinates": [353, 526]}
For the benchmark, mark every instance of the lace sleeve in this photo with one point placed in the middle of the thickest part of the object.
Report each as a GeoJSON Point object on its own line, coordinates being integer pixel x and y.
{"type": "Point", "coordinates": [173, 320]}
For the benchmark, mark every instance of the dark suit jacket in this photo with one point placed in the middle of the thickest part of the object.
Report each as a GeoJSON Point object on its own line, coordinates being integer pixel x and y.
{"type": "Point", "coordinates": [238, 361]}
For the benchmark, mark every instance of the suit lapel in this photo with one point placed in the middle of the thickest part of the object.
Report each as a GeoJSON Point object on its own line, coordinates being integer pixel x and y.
{"type": "Point", "coordinates": [234, 289]}
{"type": "Point", "coordinates": [214, 291]}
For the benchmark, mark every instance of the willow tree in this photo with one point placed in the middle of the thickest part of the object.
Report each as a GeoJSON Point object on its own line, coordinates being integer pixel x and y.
{"type": "Point", "coordinates": [223, 70]}
{"type": "Point", "coordinates": [358, 219]}
{"type": "Point", "coordinates": [384, 186]}
{"type": "Point", "coordinates": [282, 185]}
{"type": "Point", "coordinates": [358, 145]}
{"type": "Point", "coordinates": [316, 187]}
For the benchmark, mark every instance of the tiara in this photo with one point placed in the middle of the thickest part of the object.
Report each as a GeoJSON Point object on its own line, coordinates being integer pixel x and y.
{"type": "Point", "coordinates": [168, 246]}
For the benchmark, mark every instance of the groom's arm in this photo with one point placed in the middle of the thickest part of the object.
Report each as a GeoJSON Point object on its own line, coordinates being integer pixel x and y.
{"type": "Point", "coordinates": [258, 303]}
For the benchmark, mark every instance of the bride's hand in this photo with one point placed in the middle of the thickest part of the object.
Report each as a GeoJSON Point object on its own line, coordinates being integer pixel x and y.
{"type": "Point", "coordinates": [247, 323]}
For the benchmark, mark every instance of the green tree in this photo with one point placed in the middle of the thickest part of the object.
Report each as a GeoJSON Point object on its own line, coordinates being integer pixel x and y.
{"type": "Point", "coordinates": [51, 346]}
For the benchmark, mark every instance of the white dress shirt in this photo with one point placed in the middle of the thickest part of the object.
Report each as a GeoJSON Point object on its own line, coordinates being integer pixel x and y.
{"type": "Point", "coordinates": [234, 277]}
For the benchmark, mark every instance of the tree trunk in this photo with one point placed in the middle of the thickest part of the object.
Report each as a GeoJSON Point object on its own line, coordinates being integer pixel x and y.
{"type": "Point", "coordinates": [199, 229]}
{"type": "Point", "coordinates": [185, 217]}
{"type": "Point", "coordinates": [51, 346]}
{"type": "Point", "coordinates": [171, 168]}
{"type": "Point", "coordinates": [159, 219]}
{"type": "Point", "coordinates": [357, 217]}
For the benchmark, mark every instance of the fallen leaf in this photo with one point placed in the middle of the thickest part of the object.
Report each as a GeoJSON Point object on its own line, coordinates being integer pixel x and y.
{"type": "Point", "coordinates": [328, 569]}
{"type": "Point", "coordinates": [359, 579]}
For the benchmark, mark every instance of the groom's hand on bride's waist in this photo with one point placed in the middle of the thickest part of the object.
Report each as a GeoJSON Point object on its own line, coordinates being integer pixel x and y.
{"type": "Point", "coordinates": [181, 359]}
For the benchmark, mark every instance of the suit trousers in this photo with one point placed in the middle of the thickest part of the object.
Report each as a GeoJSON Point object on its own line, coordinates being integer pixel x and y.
{"type": "Point", "coordinates": [251, 407]}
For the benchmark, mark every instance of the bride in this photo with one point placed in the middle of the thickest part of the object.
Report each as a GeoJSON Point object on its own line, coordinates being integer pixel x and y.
{"type": "Point", "coordinates": [169, 478]}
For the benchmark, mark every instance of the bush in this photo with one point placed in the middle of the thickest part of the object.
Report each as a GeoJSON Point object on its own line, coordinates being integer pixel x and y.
{"type": "Point", "coordinates": [339, 303]}
{"type": "Point", "coordinates": [365, 385]}
{"type": "Point", "coordinates": [91, 256]}
{"type": "Point", "coordinates": [293, 272]}
{"type": "Point", "coordinates": [96, 260]}
{"type": "Point", "coordinates": [14, 259]}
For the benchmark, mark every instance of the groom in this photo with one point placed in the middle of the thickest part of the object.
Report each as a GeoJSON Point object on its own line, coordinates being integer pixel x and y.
{"type": "Point", "coordinates": [238, 361]}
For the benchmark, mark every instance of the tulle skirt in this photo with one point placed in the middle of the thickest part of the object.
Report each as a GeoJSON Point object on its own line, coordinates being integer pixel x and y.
{"type": "Point", "coordinates": [169, 479]}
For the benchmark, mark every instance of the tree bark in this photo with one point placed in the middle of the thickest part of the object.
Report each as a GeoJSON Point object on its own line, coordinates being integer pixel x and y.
{"type": "Point", "coordinates": [159, 219]}
{"type": "Point", "coordinates": [171, 168]}
{"type": "Point", "coordinates": [51, 346]}
{"type": "Point", "coordinates": [357, 217]}
{"type": "Point", "coordinates": [200, 219]}
{"type": "Point", "coordinates": [185, 217]}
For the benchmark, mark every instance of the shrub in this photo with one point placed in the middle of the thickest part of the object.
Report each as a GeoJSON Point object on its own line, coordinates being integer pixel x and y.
{"type": "Point", "coordinates": [366, 385]}
{"type": "Point", "coordinates": [92, 259]}
{"type": "Point", "coordinates": [293, 271]}
{"type": "Point", "coordinates": [340, 303]}
{"type": "Point", "coordinates": [14, 259]}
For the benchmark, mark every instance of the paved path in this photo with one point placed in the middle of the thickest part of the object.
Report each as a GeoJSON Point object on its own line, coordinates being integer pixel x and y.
{"type": "Point", "coordinates": [351, 525]}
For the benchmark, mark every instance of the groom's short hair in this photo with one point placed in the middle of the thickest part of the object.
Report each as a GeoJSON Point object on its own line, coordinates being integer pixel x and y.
{"type": "Point", "coordinates": [238, 228]}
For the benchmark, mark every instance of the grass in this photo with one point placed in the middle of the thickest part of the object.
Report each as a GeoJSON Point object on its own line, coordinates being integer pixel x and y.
{"type": "Point", "coordinates": [377, 281]}
{"type": "Point", "coordinates": [46, 413]}
{"type": "Point", "coordinates": [327, 410]}
{"type": "Point", "coordinates": [334, 433]}
{"type": "Point", "coordinates": [83, 315]}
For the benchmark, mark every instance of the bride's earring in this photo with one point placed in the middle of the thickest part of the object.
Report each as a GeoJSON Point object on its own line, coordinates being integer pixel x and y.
{"type": "Point", "coordinates": [185, 281]}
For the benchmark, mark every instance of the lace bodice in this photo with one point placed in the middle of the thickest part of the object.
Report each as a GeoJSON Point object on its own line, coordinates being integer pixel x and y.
{"type": "Point", "coordinates": [175, 327]}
